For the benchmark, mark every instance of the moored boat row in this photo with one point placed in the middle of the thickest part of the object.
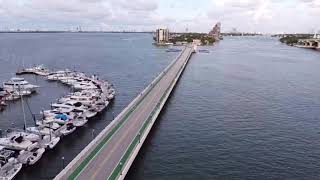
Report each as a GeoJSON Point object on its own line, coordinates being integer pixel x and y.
{"type": "Point", "coordinates": [25, 147]}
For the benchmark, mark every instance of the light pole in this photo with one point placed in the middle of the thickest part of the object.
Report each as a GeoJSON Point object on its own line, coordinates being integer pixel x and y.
{"type": "Point", "coordinates": [121, 168]}
{"type": "Point", "coordinates": [62, 162]}
{"type": "Point", "coordinates": [139, 136]}
{"type": "Point", "coordinates": [92, 133]}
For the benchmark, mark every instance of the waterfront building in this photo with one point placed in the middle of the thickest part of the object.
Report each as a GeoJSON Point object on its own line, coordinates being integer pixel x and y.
{"type": "Point", "coordinates": [162, 36]}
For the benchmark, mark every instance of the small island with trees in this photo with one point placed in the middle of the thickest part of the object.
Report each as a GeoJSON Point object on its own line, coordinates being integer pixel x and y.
{"type": "Point", "coordinates": [162, 37]}
{"type": "Point", "coordinates": [183, 38]}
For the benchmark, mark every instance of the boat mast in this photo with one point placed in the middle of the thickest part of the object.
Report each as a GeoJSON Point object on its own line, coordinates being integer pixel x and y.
{"type": "Point", "coordinates": [22, 105]}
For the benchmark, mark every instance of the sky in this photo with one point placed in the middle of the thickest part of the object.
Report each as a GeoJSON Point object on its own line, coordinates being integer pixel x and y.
{"type": "Point", "coordinates": [265, 16]}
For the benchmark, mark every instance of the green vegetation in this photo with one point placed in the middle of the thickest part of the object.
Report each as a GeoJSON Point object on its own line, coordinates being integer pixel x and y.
{"type": "Point", "coordinates": [189, 37]}
{"type": "Point", "coordinates": [293, 39]}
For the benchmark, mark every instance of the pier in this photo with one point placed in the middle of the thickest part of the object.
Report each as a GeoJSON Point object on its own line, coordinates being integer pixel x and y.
{"type": "Point", "coordinates": [111, 153]}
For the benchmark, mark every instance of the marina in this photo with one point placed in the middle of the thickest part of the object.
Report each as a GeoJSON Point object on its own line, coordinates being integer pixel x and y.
{"type": "Point", "coordinates": [90, 96]}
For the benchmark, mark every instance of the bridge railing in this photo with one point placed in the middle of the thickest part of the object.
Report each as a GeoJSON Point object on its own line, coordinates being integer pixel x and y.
{"type": "Point", "coordinates": [73, 169]}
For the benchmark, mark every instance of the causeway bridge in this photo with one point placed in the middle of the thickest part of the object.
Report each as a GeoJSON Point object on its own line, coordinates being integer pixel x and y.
{"type": "Point", "coordinates": [313, 43]}
{"type": "Point", "coordinates": [111, 153]}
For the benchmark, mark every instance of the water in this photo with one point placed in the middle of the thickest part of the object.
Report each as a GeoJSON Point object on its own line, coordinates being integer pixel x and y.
{"type": "Point", "coordinates": [247, 110]}
{"type": "Point", "coordinates": [129, 61]}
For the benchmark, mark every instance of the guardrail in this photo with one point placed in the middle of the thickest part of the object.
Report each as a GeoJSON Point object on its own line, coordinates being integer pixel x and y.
{"type": "Point", "coordinates": [88, 153]}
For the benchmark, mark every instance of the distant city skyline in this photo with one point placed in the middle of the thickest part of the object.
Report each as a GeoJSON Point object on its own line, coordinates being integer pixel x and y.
{"type": "Point", "coordinates": [265, 16]}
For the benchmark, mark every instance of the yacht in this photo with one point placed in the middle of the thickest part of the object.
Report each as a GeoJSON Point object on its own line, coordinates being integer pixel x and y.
{"type": "Point", "coordinates": [101, 105]}
{"type": "Point", "coordinates": [28, 136]}
{"type": "Point", "coordinates": [63, 118]}
{"type": "Point", "coordinates": [84, 85]}
{"type": "Point", "coordinates": [38, 70]}
{"type": "Point", "coordinates": [40, 130]}
{"type": "Point", "coordinates": [58, 75]}
{"type": "Point", "coordinates": [49, 138]}
{"type": "Point", "coordinates": [17, 142]}
{"type": "Point", "coordinates": [30, 156]}
{"type": "Point", "coordinates": [67, 129]}
{"type": "Point", "coordinates": [48, 124]}
{"type": "Point", "coordinates": [19, 84]}
{"type": "Point", "coordinates": [9, 165]}
{"type": "Point", "coordinates": [2, 98]}
{"type": "Point", "coordinates": [77, 107]}
{"type": "Point", "coordinates": [111, 94]}
{"type": "Point", "coordinates": [49, 141]}
{"type": "Point", "coordinates": [15, 94]}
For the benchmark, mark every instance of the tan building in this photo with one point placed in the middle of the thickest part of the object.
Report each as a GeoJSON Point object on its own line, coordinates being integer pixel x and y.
{"type": "Point", "coordinates": [162, 36]}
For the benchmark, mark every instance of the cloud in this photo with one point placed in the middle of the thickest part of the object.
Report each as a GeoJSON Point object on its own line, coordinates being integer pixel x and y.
{"type": "Point", "coordinates": [245, 15]}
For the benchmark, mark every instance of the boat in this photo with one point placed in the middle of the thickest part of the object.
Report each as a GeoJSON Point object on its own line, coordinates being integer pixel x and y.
{"type": "Point", "coordinates": [77, 107]}
{"type": "Point", "coordinates": [49, 138]}
{"type": "Point", "coordinates": [30, 156]}
{"type": "Point", "coordinates": [9, 165]}
{"type": "Point", "coordinates": [54, 76]}
{"type": "Point", "coordinates": [87, 100]}
{"type": "Point", "coordinates": [111, 94]}
{"type": "Point", "coordinates": [40, 130]}
{"type": "Point", "coordinates": [67, 129]}
{"type": "Point", "coordinates": [101, 105]}
{"type": "Point", "coordinates": [48, 124]}
{"type": "Point", "coordinates": [20, 84]}
{"type": "Point", "coordinates": [50, 141]}
{"type": "Point", "coordinates": [3, 94]}
{"type": "Point", "coordinates": [28, 136]}
{"type": "Point", "coordinates": [84, 86]}
{"type": "Point", "coordinates": [63, 118]}
{"type": "Point", "coordinates": [17, 142]}
{"type": "Point", "coordinates": [38, 70]}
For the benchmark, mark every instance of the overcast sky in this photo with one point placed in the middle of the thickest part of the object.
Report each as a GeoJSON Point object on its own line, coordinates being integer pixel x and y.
{"type": "Point", "coordinates": [177, 15]}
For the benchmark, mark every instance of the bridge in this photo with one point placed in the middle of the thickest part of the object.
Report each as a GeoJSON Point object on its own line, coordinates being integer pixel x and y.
{"type": "Point", "coordinates": [111, 153]}
{"type": "Point", "coordinates": [313, 43]}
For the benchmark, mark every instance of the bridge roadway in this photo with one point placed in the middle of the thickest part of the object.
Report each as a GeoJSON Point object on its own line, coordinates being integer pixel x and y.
{"type": "Point", "coordinates": [109, 159]}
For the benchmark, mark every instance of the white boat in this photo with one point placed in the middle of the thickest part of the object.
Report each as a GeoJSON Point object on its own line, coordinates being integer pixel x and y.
{"type": "Point", "coordinates": [101, 105]}
{"type": "Point", "coordinates": [77, 107]}
{"type": "Point", "coordinates": [40, 130]}
{"type": "Point", "coordinates": [50, 141]}
{"type": "Point", "coordinates": [62, 118]}
{"type": "Point", "coordinates": [39, 70]}
{"type": "Point", "coordinates": [48, 124]}
{"type": "Point", "coordinates": [9, 166]}
{"type": "Point", "coordinates": [19, 84]}
{"type": "Point", "coordinates": [67, 129]}
{"type": "Point", "coordinates": [30, 156]}
{"type": "Point", "coordinates": [111, 95]}
{"type": "Point", "coordinates": [17, 143]}
{"type": "Point", "coordinates": [15, 94]}
{"type": "Point", "coordinates": [3, 95]}
{"type": "Point", "coordinates": [28, 136]}
{"type": "Point", "coordinates": [79, 98]}
{"type": "Point", "coordinates": [84, 86]}
{"type": "Point", "coordinates": [80, 121]}
{"type": "Point", "coordinates": [57, 75]}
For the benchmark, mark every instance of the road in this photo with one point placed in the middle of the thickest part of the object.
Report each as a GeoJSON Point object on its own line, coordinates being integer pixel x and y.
{"type": "Point", "coordinates": [104, 162]}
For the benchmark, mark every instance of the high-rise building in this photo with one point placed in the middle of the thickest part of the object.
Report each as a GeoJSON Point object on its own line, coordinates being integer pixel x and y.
{"type": "Point", "coordinates": [162, 36]}
{"type": "Point", "coordinates": [215, 32]}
